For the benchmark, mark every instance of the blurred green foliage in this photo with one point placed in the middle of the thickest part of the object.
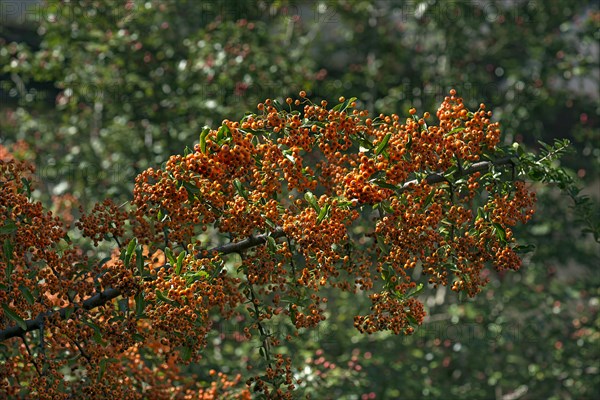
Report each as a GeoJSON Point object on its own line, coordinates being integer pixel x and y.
{"type": "Point", "coordinates": [103, 89]}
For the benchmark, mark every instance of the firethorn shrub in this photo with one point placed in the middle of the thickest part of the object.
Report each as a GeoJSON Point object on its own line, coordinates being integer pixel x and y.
{"type": "Point", "coordinates": [284, 188]}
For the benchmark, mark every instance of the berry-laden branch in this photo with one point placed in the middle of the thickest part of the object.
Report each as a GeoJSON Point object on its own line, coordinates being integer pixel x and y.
{"type": "Point", "coordinates": [306, 174]}
{"type": "Point", "coordinates": [236, 247]}
{"type": "Point", "coordinates": [111, 293]}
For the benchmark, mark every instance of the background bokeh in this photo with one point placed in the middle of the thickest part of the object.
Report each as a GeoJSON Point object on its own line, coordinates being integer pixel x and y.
{"type": "Point", "coordinates": [95, 91]}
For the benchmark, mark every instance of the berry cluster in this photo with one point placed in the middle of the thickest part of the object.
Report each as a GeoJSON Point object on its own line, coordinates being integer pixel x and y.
{"type": "Point", "coordinates": [290, 187]}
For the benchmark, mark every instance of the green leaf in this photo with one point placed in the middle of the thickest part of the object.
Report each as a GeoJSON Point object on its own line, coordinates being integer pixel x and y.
{"type": "Point", "coordinates": [269, 223]}
{"type": "Point", "coordinates": [344, 105]}
{"type": "Point", "coordinates": [500, 232]}
{"type": "Point", "coordinates": [123, 304]}
{"type": "Point", "coordinates": [163, 298]}
{"type": "Point", "coordinates": [457, 129]}
{"type": "Point", "coordinates": [312, 200]}
{"type": "Point", "coordinates": [271, 244]}
{"type": "Point", "coordinates": [409, 142]}
{"type": "Point", "coordinates": [15, 317]}
{"type": "Point", "coordinates": [8, 227]}
{"type": "Point", "coordinates": [365, 143]}
{"type": "Point", "coordinates": [179, 263]}
{"type": "Point", "coordinates": [417, 290]}
{"type": "Point", "coordinates": [277, 105]}
{"type": "Point", "coordinates": [411, 319]}
{"type": "Point", "coordinates": [536, 174]}
{"type": "Point", "coordinates": [381, 244]}
{"type": "Point", "coordinates": [323, 213]}
{"type": "Point", "coordinates": [203, 136]}
{"type": "Point", "coordinates": [27, 294]}
{"type": "Point", "coordinates": [385, 274]}
{"type": "Point", "coordinates": [139, 259]}
{"type": "Point", "coordinates": [480, 213]}
{"type": "Point", "coordinates": [7, 247]}
{"type": "Point", "coordinates": [222, 133]}
{"type": "Point", "coordinates": [387, 208]}
{"type": "Point", "coordinates": [185, 353]}
{"type": "Point", "coordinates": [383, 184]}
{"type": "Point", "coordinates": [428, 199]}
{"type": "Point", "coordinates": [450, 172]}
{"type": "Point", "coordinates": [102, 368]}
{"type": "Point", "coordinates": [522, 249]}
{"type": "Point", "coordinates": [289, 157]}
{"type": "Point", "coordinates": [381, 147]}
{"type": "Point", "coordinates": [68, 312]}
{"type": "Point", "coordinates": [170, 256]}
{"type": "Point", "coordinates": [140, 304]}
{"type": "Point", "coordinates": [138, 338]}
{"type": "Point", "coordinates": [129, 251]}
{"type": "Point", "coordinates": [518, 149]}
{"type": "Point", "coordinates": [240, 188]}
{"type": "Point", "coordinates": [27, 186]}
{"type": "Point", "coordinates": [191, 189]}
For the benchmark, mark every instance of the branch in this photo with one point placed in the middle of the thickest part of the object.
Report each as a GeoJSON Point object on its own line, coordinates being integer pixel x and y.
{"type": "Point", "coordinates": [37, 322]}
{"type": "Point", "coordinates": [110, 293]}
{"type": "Point", "coordinates": [252, 241]}
{"type": "Point", "coordinates": [478, 166]}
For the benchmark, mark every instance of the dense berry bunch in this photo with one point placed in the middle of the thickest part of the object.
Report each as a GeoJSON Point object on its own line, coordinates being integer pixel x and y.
{"type": "Point", "coordinates": [287, 188]}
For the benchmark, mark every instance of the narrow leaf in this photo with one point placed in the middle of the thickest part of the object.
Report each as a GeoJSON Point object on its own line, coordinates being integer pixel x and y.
{"type": "Point", "coordinates": [130, 250]}
{"type": "Point", "coordinates": [139, 259]}
{"type": "Point", "coordinates": [163, 298]}
{"type": "Point", "coordinates": [381, 147]}
{"type": "Point", "coordinates": [68, 312]}
{"type": "Point", "coordinates": [15, 317]}
{"type": "Point", "coordinates": [102, 368]}
{"type": "Point", "coordinates": [271, 244]}
{"type": "Point", "coordinates": [277, 105]}
{"type": "Point", "coordinates": [240, 188]}
{"type": "Point", "coordinates": [480, 213]}
{"type": "Point", "coordinates": [185, 353]}
{"type": "Point", "coordinates": [455, 130]}
{"type": "Point", "coordinates": [170, 256]}
{"type": "Point", "coordinates": [7, 247]}
{"type": "Point", "coordinates": [8, 227]}
{"type": "Point", "coordinates": [524, 248]}
{"type": "Point", "coordinates": [428, 199]}
{"type": "Point", "coordinates": [27, 294]}
{"type": "Point", "coordinates": [323, 213]}
{"type": "Point", "coordinates": [383, 184]}
{"type": "Point", "coordinates": [203, 136]}
{"type": "Point", "coordinates": [500, 232]}
{"type": "Point", "coordinates": [312, 200]}
{"type": "Point", "coordinates": [179, 263]}
{"type": "Point", "coordinates": [140, 304]}
{"type": "Point", "coordinates": [27, 186]}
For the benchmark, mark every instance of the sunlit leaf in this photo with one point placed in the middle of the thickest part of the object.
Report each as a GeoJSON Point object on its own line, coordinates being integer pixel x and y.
{"type": "Point", "coordinates": [203, 136]}
{"type": "Point", "coordinates": [384, 142]}
{"type": "Point", "coordinates": [179, 263]}
{"type": "Point", "coordinates": [312, 200]}
{"type": "Point", "coordinates": [323, 213]}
